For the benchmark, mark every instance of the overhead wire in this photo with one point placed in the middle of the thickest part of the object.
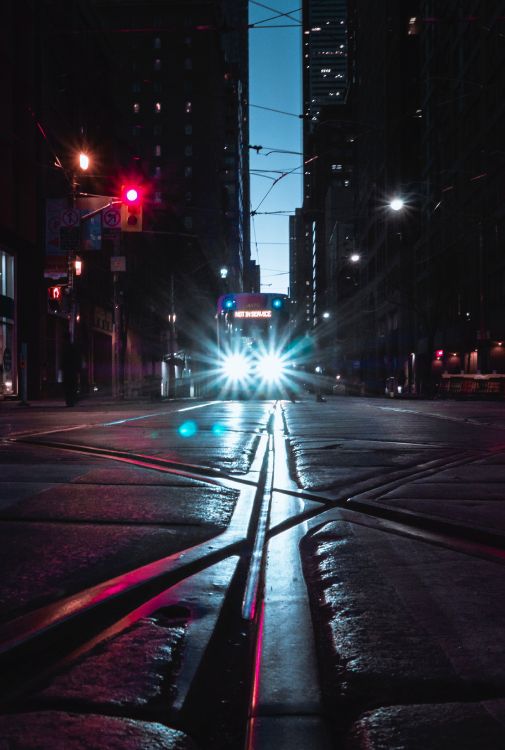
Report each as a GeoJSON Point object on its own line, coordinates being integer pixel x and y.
{"type": "Point", "coordinates": [276, 10]}
{"type": "Point", "coordinates": [279, 111]}
{"type": "Point", "coordinates": [274, 183]}
{"type": "Point", "coordinates": [272, 18]}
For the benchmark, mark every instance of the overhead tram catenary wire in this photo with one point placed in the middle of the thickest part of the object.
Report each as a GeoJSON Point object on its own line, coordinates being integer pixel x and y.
{"type": "Point", "coordinates": [254, 233]}
{"type": "Point", "coordinates": [273, 149]}
{"type": "Point", "coordinates": [272, 18]}
{"type": "Point", "coordinates": [274, 183]}
{"type": "Point", "coordinates": [279, 111]}
{"type": "Point", "coordinates": [276, 10]}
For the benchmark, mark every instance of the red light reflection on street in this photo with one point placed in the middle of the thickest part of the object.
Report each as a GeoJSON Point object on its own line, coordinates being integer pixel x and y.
{"type": "Point", "coordinates": [257, 662]}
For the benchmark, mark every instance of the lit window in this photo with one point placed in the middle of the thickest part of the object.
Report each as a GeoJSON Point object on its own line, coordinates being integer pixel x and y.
{"type": "Point", "coordinates": [188, 108]}
{"type": "Point", "coordinates": [157, 64]}
{"type": "Point", "coordinates": [157, 171]}
{"type": "Point", "coordinates": [336, 167]}
{"type": "Point", "coordinates": [136, 108]}
{"type": "Point", "coordinates": [157, 43]}
{"type": "Point", "coordinates": [157, 107]}
{"type": "Point", "coordinates": [157, 150]}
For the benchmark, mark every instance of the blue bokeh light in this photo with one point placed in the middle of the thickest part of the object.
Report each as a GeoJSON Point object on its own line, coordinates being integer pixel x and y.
{"type": "Point", "coordinates": [218, 429]}
{"type": "Point", "coordinates": [188, 429]}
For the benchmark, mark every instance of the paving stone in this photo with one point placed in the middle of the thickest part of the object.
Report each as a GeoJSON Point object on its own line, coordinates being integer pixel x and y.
{"type": "Point", "coordinates": [47, 561]}
{"type": "Point", "coordinates": [389, 627]}
{"type": "Point", "coordinates": [190, 505]}
{"type": "Point", "coordinates": [462, 726]}
{"type": "Point", "coordinates": [130, 670]}
{"type": "Point", "coordinates": [59, 730]}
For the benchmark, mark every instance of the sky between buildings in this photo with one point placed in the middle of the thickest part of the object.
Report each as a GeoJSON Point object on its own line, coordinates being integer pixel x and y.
{"type": "Point", "coordinates": [275, 84]}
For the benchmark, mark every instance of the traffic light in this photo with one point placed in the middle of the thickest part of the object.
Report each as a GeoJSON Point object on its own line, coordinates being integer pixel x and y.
{"type": "Point", "coordinates": [131, 210]}
{"type": "Point", "coordinates": [54, 299]}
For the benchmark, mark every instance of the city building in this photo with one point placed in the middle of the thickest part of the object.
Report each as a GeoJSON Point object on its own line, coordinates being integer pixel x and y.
{"type": "Point", "coordinates": [155, 93]}
{"type": "Point", "coordinates": [414, 286]}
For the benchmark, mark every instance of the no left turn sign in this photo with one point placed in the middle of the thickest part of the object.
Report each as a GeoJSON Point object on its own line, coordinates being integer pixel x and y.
{"type": "Point", "coordinates": [111, 218]}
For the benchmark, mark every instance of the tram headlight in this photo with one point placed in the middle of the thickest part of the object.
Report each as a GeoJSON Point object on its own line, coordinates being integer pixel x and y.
{"type": "Point", "coordinates": [271, 368]}
{"type": "Point", "coordinates": [235, 367]}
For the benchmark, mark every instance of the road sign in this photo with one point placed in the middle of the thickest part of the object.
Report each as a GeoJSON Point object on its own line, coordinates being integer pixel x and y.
{"type": "Point", "coordinates": [111, 218]}
{"type": "Point", "coordinates": [70, 217]}
{"type": "Point", "coordinates": [117, 263]}
{"type": "Point", "coordinates": [69, 239]}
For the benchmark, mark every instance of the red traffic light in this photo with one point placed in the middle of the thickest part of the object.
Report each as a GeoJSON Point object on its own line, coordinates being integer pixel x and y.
{"type": "Point", "coordinates": [131, 210]}
{"type": "Point", "coordinates": [131, 195]}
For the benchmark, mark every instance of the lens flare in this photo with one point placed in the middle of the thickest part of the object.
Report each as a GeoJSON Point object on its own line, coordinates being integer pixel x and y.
{"type": "Point", "coordinates": [188, 429]}
{"type": "Point", "coordinates": [271, 368]}
{"type": "Point", "coordinates": [235, 367]}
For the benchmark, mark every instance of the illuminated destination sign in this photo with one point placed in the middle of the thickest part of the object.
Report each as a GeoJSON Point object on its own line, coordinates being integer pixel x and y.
{"type": "Point", "coordinates": [253, 313]}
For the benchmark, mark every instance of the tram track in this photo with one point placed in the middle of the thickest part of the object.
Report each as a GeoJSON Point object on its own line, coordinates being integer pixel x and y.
{"type": "Point", "coordinates": [361, 508]}
{"type": "Point", "coordinates": [48, 639]}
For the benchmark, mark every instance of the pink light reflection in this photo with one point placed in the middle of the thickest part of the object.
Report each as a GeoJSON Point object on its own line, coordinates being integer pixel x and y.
{"type": "Point", "coordinates": [257, 662]}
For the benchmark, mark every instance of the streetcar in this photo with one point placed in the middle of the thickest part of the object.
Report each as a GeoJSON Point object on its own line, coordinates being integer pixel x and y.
{"type": "Point", "coordinates": [253, 345]}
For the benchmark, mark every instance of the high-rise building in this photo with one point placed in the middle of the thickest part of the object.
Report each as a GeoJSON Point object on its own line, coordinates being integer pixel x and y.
{"type": "Point", "coordinates": [417, 292]}
{"type": "Point", "coordinates": [157, 92]}
{"type": "Point", "coordinates": [328, 152]}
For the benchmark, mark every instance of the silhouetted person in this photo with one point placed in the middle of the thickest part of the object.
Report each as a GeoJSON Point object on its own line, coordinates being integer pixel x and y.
{"type": "Point", "coordinates": [70, 368]}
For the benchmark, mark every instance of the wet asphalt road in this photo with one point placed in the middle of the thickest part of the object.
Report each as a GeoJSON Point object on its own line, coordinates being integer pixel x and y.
{"type": "Point", "coordinates": [396, 622]}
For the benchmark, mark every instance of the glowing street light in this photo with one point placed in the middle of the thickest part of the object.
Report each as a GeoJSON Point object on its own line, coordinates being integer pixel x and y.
{"type": "Point", "coordinates": [355, 258]}
{"type": "Point", "coordinates": [83, 161]}
{"type": "Point", "coordinates": [396, 204]}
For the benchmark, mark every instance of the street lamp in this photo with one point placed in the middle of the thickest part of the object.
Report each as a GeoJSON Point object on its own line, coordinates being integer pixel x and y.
{"type": "Point", "coordinates": [83, 161]}
{"type": "Point", "coordinates": [74, 262]}
{"type": "Point", "coordinates": [396, 204]}
{"type": "Point", "coordinates": [355, 258]}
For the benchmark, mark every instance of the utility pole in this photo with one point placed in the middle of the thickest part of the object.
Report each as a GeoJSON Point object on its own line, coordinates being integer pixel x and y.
{"type": "Point", "coordinates": [171, 334]}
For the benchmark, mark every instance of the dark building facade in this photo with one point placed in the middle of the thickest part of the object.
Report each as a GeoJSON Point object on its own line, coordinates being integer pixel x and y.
{"type": "Point", "coordinates": [156, 94]}
{"type": "Point", "coordinates": [423, 298]}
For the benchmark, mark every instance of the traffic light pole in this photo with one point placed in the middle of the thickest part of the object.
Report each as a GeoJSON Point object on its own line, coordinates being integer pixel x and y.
{"type": "Point", "coordinates": [117, 341]}
{"type": "Point", "coordinates": [115, 336]}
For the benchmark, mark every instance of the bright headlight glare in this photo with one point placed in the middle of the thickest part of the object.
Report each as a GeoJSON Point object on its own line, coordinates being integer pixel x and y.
{"type": "Point", "coordinates": [271, 368]}
{"type": "Point", "coordinates": [235, 367]}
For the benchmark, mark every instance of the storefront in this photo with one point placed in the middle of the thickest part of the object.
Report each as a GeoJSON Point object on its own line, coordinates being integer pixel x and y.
{"type": "Point", "coordinates": [8, 354]}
